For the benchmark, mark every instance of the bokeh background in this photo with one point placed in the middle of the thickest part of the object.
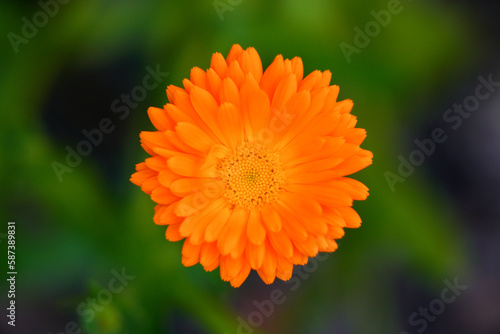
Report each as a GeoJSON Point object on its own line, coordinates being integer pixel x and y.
{"type": "Point", "coordinates": [439, 225]}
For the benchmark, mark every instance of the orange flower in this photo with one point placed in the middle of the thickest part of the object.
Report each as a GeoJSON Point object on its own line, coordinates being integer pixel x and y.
{"type": "Point", "coordinates": [249, 167]}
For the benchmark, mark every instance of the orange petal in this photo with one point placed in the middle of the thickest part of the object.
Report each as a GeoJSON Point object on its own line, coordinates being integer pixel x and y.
{"type": "Point", "coordinates": [271, 218]}
{"type": "Point", "coordinates": [169, 153]}
{"type": "Point", "coordinates": [330, 146]}
{"type": "Point", "coordinates": [302, 127]}
{"type": "Point", "coordinates": [284, 268]}
{"type": "Point", "coordinates": [326, 245]}
{"type": "Point", "coordinates": [357, 190]}
{"type": "Point", "coordinates": [194, 136]}
{"type": "Point", "coordinates": [312, 177]}
{"type": "Point", "coordinates": [154, 138]}
{"type": "Point", "coordinates": [250, 62]}
{"type": "Point", "coordinates": [239, 249]}
{"type": "Point", "coordinates": [177, 114]}
{"type": "Point", "coordinates": [345, 123]}
{"type": "Point", "coordinates": [188, 85]}
{"type": "Point", "coordinates": [234, 53]}
{"type": "Point", "coordinates": [183, 101]}
{"type": "Point", "coordinates": [350, 216]}
{"type": "Point", "coordinates": [236, 73]}
{"type": "Point", "coordinates": [272, 76]}
{"type": "Point", "coordinates": [229, 92]}
{"type": "Point", "coordinates": [331, 99]}
{"type": "Point", "coordinates": [231, 124]}
{"type": "Point", "coordinates": [323, 124]}
{"type": "Point", "coordinates": [248, 90]}
{"type": "Point", "coordinates": [217, 152]}
{"type": "Point", "coordinates": [314, 166]}
{"type": "Point", "coordinates": [156, 163]}
{"type": "Point", "coordinates": [259, 111]}
{"type": "Point", "coordinates": [326, 76]}
{"type": "Point", "coordinates": [299, 257]}
{"type": "Point", "coordinates": [297, 67]}
{"type": "Point", "coordinates": [288, 66]}
{"type": "Point", "coordinates": [281, 243]}
{"type": "Point", "coordinates": [355, 163]}
{"type": "Point", "coordinates": [142, 175]}
{"type": "Point", "coordinates": [206, 107]}
{"type": "Point", "coordinates": [160, 119]}
{"type": "Point", "coordinates": [166, 177]}
{"type": "Point", "coordinates": [241, 277]}
{"type": "Point", "coordinates": [308, 247]}
{"type": "Point", "coordinates": [223, 269]}
{"type": "Point", "coordinates": [185, 186]}
{"type": "Point", "coordinates": [190, 166]}
{"type": "Point", "coordinates": [335, 232]}
{"type": "Point", "coordinates": [209, 212]}
{"type": "Point", "coordinates": [209, 256]}
{"type": "Point", "coordinates": [293, 227]}
{"type": "Point", "coordinates": [141, 166]}
{"type": "Point", "coordinates": [233, 265]}
{"type": "Point", "coordinates": [302, 147]}
{"type": "Point", "coordinates": [199, 77]}
{"type": "Point", "coordinates": [255, 254]}
{"type": "Point", "coordinates": [255, 230]}
{"type": "Point", "coordinates": [324, 195]}
{"type": "Point", "coordinates": [190, 254]}
{"type": "Point", "coordinates": [333, 217]}
{"type": "Point", "coordinates": [150, 184]}
{"type": "Point", "coordinates": [301, 203]}
{"type": "Point", "coordinates": [295, 107]}
{"type": "Point", "coordinates": [285, 89]}
{"type": "Point", "coordinates": [268, 269]}
{"type": "Point", "coordinates": [233, 230]}
{"type": "Point", "coordinates": [344, 107]}
{"type": "Point", "coordinates": [164, 215]}
{"type": "Point", "coordinates": [192, 204]}
{"type": "Point", "coordinates": [214, 83]}
{"type": "Point", "coordinates": [355, 136]}
{"type": "Point", "coordinates": [309, 81]}
{"type": "Point", "coordinates": [199, 230]}
{"type": "Point", "coordinates": [172, 233]}
{"type": "Point", "coordinates": [217, 225]}
{"type": "Point", "coordinates": [307, 211]}
{"type": "Point", "coordinates": [218, 63]}
{"type": "Point", "coordinates": [172, 92]}
{"type": "Point", "coordinates": [163, 195]}
{"type": "Point", "coordinates": [180, 145]}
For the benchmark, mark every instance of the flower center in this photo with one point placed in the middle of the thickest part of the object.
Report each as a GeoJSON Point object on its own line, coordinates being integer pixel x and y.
{"type": "Point", "coordinates": [252, 174]}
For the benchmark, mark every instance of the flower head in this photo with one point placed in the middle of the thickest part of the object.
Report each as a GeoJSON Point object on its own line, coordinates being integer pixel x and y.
{"type": "Point", "coordinates": [249, 167]}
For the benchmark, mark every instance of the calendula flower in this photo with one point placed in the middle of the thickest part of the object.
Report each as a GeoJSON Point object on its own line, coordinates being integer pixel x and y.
{"type": "Point", "coordinates": [249, 167]}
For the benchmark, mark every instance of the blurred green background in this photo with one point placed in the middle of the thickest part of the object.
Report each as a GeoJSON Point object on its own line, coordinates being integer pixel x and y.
{"type": "Point", "coordinates": [75, 233]}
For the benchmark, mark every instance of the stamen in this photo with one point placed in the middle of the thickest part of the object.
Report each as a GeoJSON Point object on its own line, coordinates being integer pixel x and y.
{"type": "Point", "coordinates": [253, 175]}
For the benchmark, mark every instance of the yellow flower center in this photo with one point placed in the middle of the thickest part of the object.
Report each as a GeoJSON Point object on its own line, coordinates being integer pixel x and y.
{"type": "Point", "coordinates": [253, 175]}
